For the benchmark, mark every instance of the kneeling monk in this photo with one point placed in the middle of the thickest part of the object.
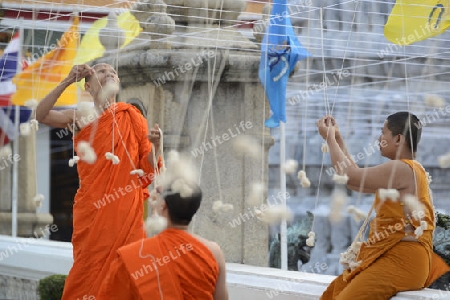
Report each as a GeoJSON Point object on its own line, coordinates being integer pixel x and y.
{"type": "Point", "coordinates": [108, 206]}
{"type": "Point", "coordinates": [172, 265]}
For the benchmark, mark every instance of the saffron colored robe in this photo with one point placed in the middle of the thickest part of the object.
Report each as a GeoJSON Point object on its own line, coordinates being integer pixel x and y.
{"type": "Point", "coordinates": [389, 265]}
{"type": "Point", "coordinates": [108, 206]}
{"type": "Point", "coordinates": [172, 263]}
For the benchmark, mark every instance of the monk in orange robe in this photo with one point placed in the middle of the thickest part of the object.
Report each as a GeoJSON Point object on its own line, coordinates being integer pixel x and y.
{"type": "Point", "coordinates": [108, 206]}
{"type": "Point", "coordinates": [172, 265]}
{"type": "Point", "coordinates": [398, 254]}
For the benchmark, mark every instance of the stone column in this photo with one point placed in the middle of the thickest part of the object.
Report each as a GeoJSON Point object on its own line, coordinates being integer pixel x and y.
{"type": "Point", "coordinates": [29, 221]}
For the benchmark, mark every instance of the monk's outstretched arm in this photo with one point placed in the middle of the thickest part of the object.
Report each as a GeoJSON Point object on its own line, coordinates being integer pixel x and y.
{"type": "Point", "coordinates": [60, 119]}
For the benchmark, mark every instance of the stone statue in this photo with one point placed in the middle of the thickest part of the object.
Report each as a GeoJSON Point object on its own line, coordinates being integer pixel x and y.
{"type": "Point", "coordinates": [441, 246]}
{"type": "Point", "coordinates": [296, 245]}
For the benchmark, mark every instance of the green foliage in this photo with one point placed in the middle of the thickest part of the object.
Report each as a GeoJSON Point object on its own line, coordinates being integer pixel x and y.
{"type": "Point", "coordinates": [51, 287]}
{"type": "Point", "coordinates": [442, 221]}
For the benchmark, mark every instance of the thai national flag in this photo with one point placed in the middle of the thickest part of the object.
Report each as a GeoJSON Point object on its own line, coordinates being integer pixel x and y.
{"type": "Point", "coordinates": [9, 66]}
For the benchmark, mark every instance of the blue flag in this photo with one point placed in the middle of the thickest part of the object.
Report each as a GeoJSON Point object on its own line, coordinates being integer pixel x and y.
{"type": "Point", "coordinates": [280, 52]}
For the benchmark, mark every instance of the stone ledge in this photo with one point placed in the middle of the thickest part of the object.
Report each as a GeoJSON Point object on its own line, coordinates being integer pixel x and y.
{"type": "Point", "coordinates": [41, 258]}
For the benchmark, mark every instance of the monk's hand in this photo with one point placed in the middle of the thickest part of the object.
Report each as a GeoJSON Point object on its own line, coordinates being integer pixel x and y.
{"type": "Point", "coordinates": [155, 137]}
{"type": "Point", "coordinates": [326, 128]}
{"type": "Point", "coordinates": [79, 72]}
{"type": "Point", "coordinates": [334, 123]}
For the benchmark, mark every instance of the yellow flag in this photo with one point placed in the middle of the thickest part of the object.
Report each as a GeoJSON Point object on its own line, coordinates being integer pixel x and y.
{"type": "Point", "coordinates": [41, 77]}
{"type": "Point", "coordinates": [91, 47]}
{"type": "Point", "coordinates": [412, 21]}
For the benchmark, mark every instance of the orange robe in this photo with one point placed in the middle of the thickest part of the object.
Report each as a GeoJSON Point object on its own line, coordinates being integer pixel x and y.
{"type": "Point", "coordinates": [388, 265]}
{"type": "Point", "coordinates": [108, 206]}
{"type": "Point", "coordinates": [173, 263]}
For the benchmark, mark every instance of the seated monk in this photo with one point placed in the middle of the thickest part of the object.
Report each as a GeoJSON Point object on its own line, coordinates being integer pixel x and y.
{"type": "Point", "coordinates": [173, 264]}
{"type": "Point", "coordinates": [108, 206]}
{"type": "Point", "coordinates": [398, 254]}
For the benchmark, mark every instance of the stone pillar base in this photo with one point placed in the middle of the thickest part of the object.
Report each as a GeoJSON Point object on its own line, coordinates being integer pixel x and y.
{"type": "Point", "coordinates": [28, 224]}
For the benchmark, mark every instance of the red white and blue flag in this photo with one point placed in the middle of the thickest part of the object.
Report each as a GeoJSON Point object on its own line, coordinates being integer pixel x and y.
{"type": "Point", "coordinates": [9, 67]}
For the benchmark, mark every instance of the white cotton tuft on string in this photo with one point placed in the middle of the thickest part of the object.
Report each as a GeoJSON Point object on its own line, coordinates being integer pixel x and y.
{"type": "Point", "coordinates": [301, 174]}
{"type": "Point", "coordinates": [444, 161]}
{"type": "Point", "coordinates": [25, 129]}
{"type": "Point", "coordinates": [87, 112]}
{"type": "Point", "coordinates": [434, 100]}
{"type": "Point", "coordinates": [38, 199]}
{"type": "Point", "coordinates": [110, 89]}
{"type": "Point", "coordinates": [32, 103]}
{"type": "Point", "coordinates": [73, 161]}
{"type": "Point", "coordinates": [227, 207]}
{"type": "Point", "coordinates": [155, 224]}
{"type": "Point", "coordinates": [290, 166]}
{"type": "Point", "coordinates": [338, 202]}
{"type": "Point", "coordinates": [138, 172]}
{"type": "Point", "coordinates": [305, 182]}
{"type": "Point", "coordinates": [311, 240]}
{"type": "Point", "coordinates": [391, 194]}
{"type": "Point", "coordinates": [5, 151]}
{"type": "Point", "coordinates": [340, 179]}
{"type": "Point", "coordinates": [247, 145]}
{"type": "Point", "coordinates": [86, 152]}
{"type": "Point", "coordinates": [357, 214]}
{"type": "Point", "coordinates": [114, 158]}
{"type": "Point", "coordinates": [348, 258]}
{"type": "Point", "coordinates": [217, 205]}
{"type": "Point", "coordinates": [419, 230]}
{"type": "Point", "coordinates": [276, 214]}
{"type": "Point", "coordinates": [414, 205]}
{"type": "Point", "coordinates": [179, 167]}
{"type": "Point", "coordinates": [325, 148]}
{"type": "Point", "coordinates": [256, 194]}
{"type": "Point", "coordinates": [186, 191]}
{"type": "Point", "coordinates": [34, 124]}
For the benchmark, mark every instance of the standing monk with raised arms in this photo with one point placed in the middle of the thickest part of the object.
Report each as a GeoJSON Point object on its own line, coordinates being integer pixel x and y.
{"type": "Point", "coordinates": [108, 206]}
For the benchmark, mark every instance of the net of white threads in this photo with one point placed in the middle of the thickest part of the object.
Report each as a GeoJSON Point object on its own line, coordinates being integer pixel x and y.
{"type": "Point", "coordinates": [391, 194]}
{"type": "Point", "coordinates": [304, 180]}
{"type": "Point", "coordinates": [86, 152]}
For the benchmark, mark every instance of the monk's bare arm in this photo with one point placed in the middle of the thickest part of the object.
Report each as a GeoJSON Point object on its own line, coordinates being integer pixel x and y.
{"type": "Point", "coordinates": [59, 119]}
{"type": "Point", "coordinates": [221, 292]}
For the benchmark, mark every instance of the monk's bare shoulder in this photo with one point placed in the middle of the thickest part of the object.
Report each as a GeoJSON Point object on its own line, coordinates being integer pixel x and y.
{"type": "Point", "coordinates": [212, 246]}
